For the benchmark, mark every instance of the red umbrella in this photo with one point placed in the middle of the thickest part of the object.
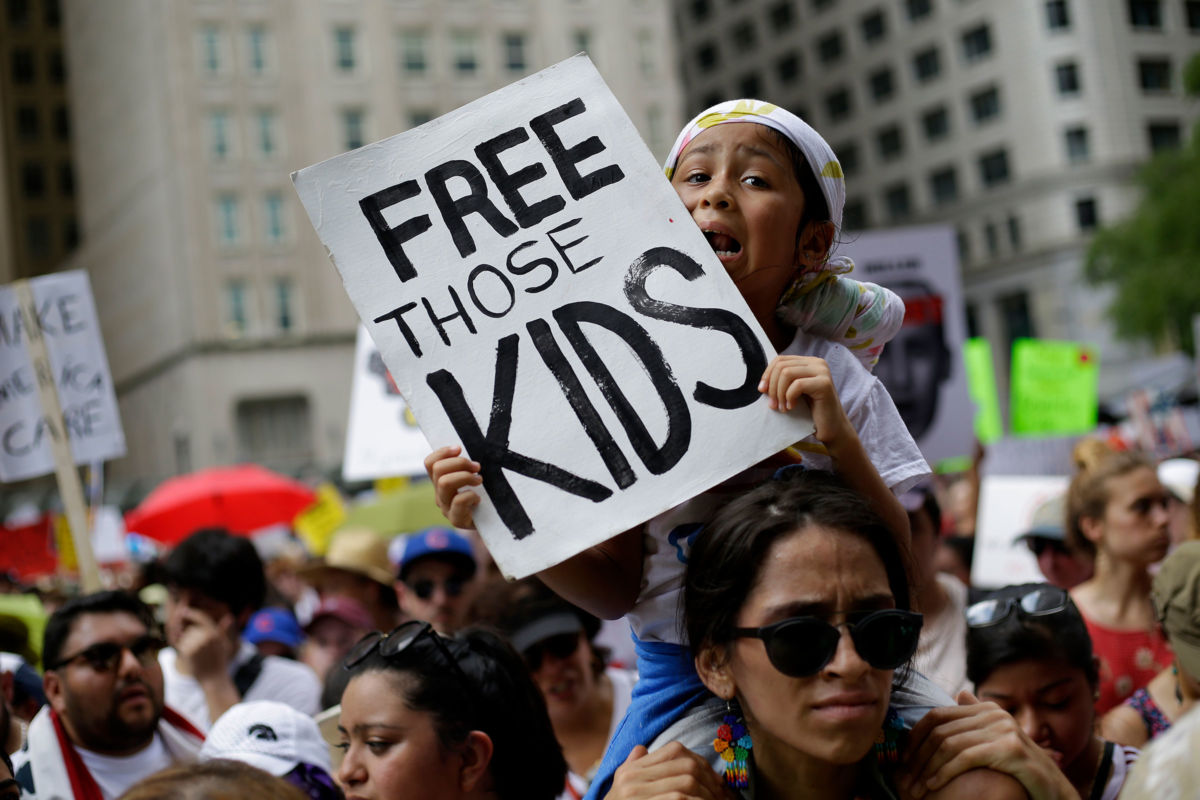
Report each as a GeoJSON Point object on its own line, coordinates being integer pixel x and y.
{"type": "Point", "coordinates": [241, 498]}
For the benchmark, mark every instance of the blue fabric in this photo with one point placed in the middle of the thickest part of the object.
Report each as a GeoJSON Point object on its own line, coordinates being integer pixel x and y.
{"type": "Point", "coordinates": [667, 686]}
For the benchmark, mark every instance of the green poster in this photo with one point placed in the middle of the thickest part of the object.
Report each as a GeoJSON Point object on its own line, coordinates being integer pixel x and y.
{"type": "Point", "coordinates": [981, 382]}
{"type": "Point", "coordinates": [1053, 388]}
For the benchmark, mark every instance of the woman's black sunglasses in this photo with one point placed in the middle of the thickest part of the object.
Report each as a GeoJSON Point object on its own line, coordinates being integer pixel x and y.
{"type": "Point", "coordinates": [400, 639]}
{"type": "Point", "coordinates": [802, 646]}
{"type": "Point", "coordinates": [1039, 602]}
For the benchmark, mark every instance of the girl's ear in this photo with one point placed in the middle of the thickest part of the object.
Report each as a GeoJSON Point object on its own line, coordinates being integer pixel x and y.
{"type": "Point", "coordinates": [814, 244]}
{"type": "Point", "coordinates": [712, 665]}
{"type": "Point", "coordinates": [476, 752]}
{"type": "Point", "coordinates": [1091, 528]}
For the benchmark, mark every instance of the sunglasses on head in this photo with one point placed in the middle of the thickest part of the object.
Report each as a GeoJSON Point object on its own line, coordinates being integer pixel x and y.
{"type": "Point", "coordinates": [1038, 545]}
{"type": "Point", "coordinates": [1040, 602]}
{"type": "Point", "coordinates": [559, 647]}
{"type": "Point", "coordinates": [802, 646]}
{"type": "Point", "coordinates": [425, 588]}
{"type": "Point", "coordinates": [400, 639]}
{"type": "Point", "coordinates": [105, 656]}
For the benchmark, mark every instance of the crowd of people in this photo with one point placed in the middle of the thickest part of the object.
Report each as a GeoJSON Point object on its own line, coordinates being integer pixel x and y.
{"type": "Point", "coordinates": [805, 629]}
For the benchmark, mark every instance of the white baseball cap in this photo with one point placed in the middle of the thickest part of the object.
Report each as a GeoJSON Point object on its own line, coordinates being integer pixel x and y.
{"type": "Point", "coordinates": [271, 736]}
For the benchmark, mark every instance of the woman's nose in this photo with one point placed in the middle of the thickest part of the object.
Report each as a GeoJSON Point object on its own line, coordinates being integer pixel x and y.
{"type": "Point", "coordinates": [351, 771]}
{"type": "Point", "coordinates": [1030, 722]}
{"type": "Point", "coordinates": [847, 663]}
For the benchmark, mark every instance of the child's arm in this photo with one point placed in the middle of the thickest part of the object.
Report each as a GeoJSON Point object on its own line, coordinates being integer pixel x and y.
{"type": "Point", "coordinates": [862, 316]}
{"type": "Point", "coordinates": [603, 580]}
{"type": "Point", "coordinates": [790, 378]}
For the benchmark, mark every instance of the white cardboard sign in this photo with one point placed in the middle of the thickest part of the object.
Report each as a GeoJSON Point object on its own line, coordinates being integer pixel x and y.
{"type": "Point", "coordinates": [922, 367]}
{"type": "Point", "coordinates": [382, 437]}
{"type": "Point", "coordinates": [1006, 507]}
{"type": "Point", "coordinates": [541, 296]}
{"type": "Point", "coordinates": [67, 318]}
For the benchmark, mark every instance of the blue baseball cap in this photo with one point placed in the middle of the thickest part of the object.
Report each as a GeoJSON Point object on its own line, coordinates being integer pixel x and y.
{"type": "Point", "coordinates": [444, 543]}
{"type": "Point", "coordinates": [273, 625]}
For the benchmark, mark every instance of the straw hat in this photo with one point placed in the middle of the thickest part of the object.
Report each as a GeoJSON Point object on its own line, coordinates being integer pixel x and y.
{"type": "Point", "coordinates": [357, 550]}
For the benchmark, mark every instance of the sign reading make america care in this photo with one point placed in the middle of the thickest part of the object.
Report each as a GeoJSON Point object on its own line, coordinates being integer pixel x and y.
{"type": "Point", "coordinates": [541, 296]}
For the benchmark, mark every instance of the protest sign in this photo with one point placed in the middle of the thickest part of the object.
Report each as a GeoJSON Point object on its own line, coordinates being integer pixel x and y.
{"type": "Point", "coordinates": [66, 317]}
{"type": "Point", "coordinates": [1006, 507]}
{"type": "Point", "coordinates": [922, 367]}
{"type": "Point", "coordinates": [541, 296]}
{"type": "Point", "coordinates": [382, 437]}
{"type": "Point", "coordinates": [981, 381]}
{"type": "Point", "coordinates": [1053, 388]}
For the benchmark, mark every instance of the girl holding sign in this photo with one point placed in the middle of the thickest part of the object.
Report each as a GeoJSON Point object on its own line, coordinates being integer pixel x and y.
{"type": "Point", "coordinates": [767, 191]}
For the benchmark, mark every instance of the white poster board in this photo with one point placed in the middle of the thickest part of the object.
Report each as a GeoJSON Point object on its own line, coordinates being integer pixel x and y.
{"type": "Point", "coordinates": [67, 318]}
{"type": "Point", "coordinates": [923, 366]}
{"type": "Point", "coordinates": [1006, 507]}
{"type": "Point", "coordinates": [541, 296]}
{"type": "Point", "coordinates": [382, 437]}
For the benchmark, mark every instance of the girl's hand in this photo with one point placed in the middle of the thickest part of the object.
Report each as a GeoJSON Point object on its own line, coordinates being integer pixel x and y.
{"type": "Point", "coordinates": [949, 741]}
{"type": "Point", "coordinates": [790, 378]}
{"type": "Point", "coordinates": [452, 473]}
{"type": "Point", "coordinates": [670, 772]}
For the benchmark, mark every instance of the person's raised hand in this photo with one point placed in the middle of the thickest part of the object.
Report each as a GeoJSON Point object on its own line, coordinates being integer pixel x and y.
{"type": "Point", "coordinates": [205, 646]}
{"type": "Point", "coordinates": [453, 474]}
{"type": "Point", "coordinates": [788, 379]}
{"type": "Point", "coordinates": [952, 740]}
{"type": "Point", "coordinates": [672, 772]}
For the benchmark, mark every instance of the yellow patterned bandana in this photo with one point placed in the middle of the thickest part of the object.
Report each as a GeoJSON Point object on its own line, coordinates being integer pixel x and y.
{"type": "Point", "coordinates": [817, 151]}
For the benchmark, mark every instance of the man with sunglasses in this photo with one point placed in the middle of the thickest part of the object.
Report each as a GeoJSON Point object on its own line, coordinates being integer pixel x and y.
{"type": "Point", "coordinates": [105, 726]}
{"type": "Point", "coordinates": [436, 578]}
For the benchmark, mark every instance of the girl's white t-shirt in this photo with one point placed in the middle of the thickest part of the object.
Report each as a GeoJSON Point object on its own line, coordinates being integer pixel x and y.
{"type": "Point", "coordinates": [655, 616]}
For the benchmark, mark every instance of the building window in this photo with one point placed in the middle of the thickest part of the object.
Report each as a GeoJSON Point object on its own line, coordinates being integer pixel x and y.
{"type": "Point", "coordinates": [24, 72]}
{"type": "Point", "coordinates": [274, 229]}
{"type": "Point", "coordinates": [1057, 16]}
{"type": "Point", "coordinates": [211, 50]}
{"type": "Point", "coordinates": [17, 13]}
{"type": "Point", "coordinates": [464, 47]}
{"type": "Point", "coordinates": [256, 49]}
{"type": "Point", "coordinates": [37, 238]}
{"type": "Point", "coordinates": [821, 5]}
{"type": "Point", "coordinates": [29, 126]}
{"type": "Point", "coordinates": [514, 52]}
{"type": "Point", "coordinates": [52, 13]}
{"type": "Point", "coordinates": [285, 319]}
{"type": "Point", "coordinates": [66, 179]}
{"type": "Point", "coordinates": [897, 201]}
{"type": "Point", "coordinates": [985, 104]}
{"type": "Point", "coordinates": [782, 16]}
{"type": "Point", "coordinates": [990, 239]}
{"type": "Point", "coordinates": [701, 9]}
{"type": "Point", "coordinates": [936, 123]}
{"type": "Point", "coordinates": [1076, 140]}
{"type": "Point", "coordinates": [1066, 77]}
{"type": "Point", "coordinates": [964, 244]}
{"type": "Point", "coordinates": [751, 85]}
{"type": "Point", "coordinates": [1145, 13]}
{"type": "Point", "coordinates": [943, 185]}
{"type": "Point", "coordinates": [1086, 215]}
{"type": "Point", "coordinates": [744, 36]}
{"type": "Point", "coordinates": [830, 47]}
{"type": "Point", "coordinates": [353, 128]}
{"type": "Point", "coordinates": [976, 43]}
{"type": "Point", "coordinates": [1154, 74]}
{"type": "Point", "coordinates": [838, 104]}
{"type": "Point", "coordinates": [787, 68]}
{"type": "Point", "coordinates": [993, 168]}
{"type": "Point", "coordinates": [229, 228]}
{"type": "Point", "coordinates": [1164, 136]}
{"type": "Point", "coordinates": [70, 233]}
{"type": "Point", "coordinates": [874, 26]}
{"type": "Point", "coordinates": [413, 58]}
{"type": "Point", "coordinates": [927, 64]}
{"type": "Point", "coordinates": [581, 41]}
{"type": "Point", "coordinates": [1191, 11]}
{"type": "Point", "coordinates": [1014, 311]}
{"type": "Point", "coordinates": [706, 56]}
{"type": "Point", "coordinates": [219, 136]}
{"type": "Point", "coordinates": [918, 9]}
{"type": "Point", "coordinates": [62, 123]}
{"type": "Point", "coordinates": [854, 216]}
{"type": "Point", "coordinates": [275, 432]}
{"type": "Point", "coordinates": [1014, 231]}
{"type": "Point", "coordinates": [33, 180]}
{"type": "Point", "coordinates": [237, 320]}
{"type": "Point", "coordinates": [265, 122]}
{"type": "Point", "coordinates": [847, 156]}
{"type": "Point", "coordinates": [344, 57]}
{"type": "Point", "coordinates": [883, 86]}
{"type": "Point", "coordinates": [56, 68]}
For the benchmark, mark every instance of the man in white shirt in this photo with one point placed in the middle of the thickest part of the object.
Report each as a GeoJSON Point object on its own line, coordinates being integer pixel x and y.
{"type": "Point", "coordinates": [215, 582]}
{"type": "Point", "coordinates": [105, 726]}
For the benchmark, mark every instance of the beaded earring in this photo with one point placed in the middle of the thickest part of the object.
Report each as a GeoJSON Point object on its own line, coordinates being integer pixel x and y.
{"type": "Point", "coordinates": [887, 743]}
{"type": "Point", "coordinates": [733, 744]}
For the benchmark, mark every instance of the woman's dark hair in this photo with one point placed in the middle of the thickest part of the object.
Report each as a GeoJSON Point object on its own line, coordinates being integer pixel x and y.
{"type": "Point", "coordinates": [502, 701]}
{"type": "Point", "coordinates": [1061, 637]}
{"type": "Point", "coordinates": [729, 552]}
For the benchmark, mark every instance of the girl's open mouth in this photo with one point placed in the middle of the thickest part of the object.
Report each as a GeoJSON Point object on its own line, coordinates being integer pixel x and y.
{"type": "Point", "coordinates": [722, 243]}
